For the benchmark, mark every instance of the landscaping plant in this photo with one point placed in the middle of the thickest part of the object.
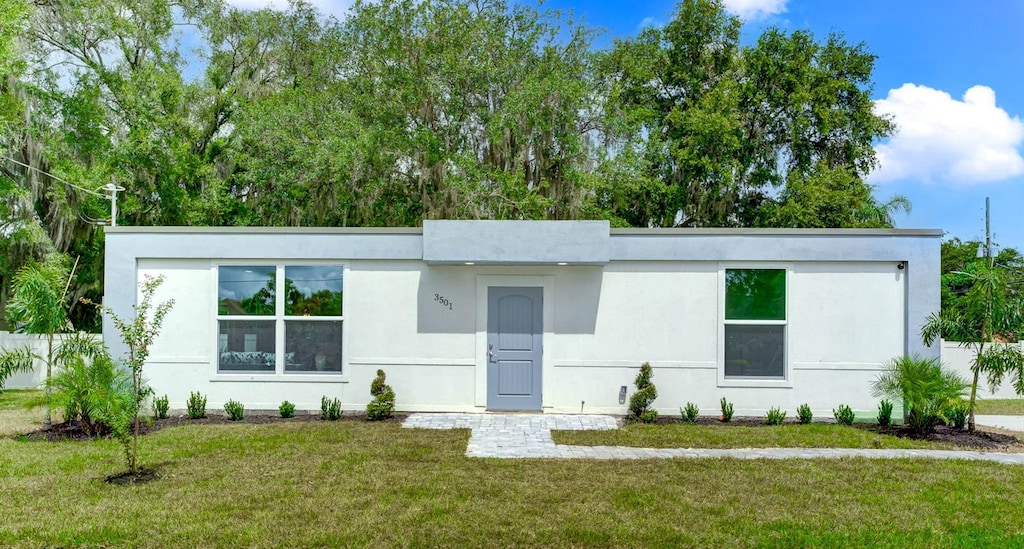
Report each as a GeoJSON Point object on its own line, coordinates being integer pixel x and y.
{"type": "Point", "coordinates": [690, 412]}
{"type": "Point", "coordinates": [160, 406]}
{"type": "Point", "coordinates": [884, 413]}
{"type": "Point", "coordinates": [330, 409]}
{"type": "Point", "coordinates": [843, 415]}
{"type": "Point", "coordinates": [286, 409]}
{"type": "Point", "coordinates": [803, 413]}
{"type": "Point", "coordinates": [956, 414]}
{"type": "Point", "coordinates": [196, 405]}
{"type": "Point", "coordinates": [234, 409]}
{"type": "Point", "coordinates": [923, 385]}
{"type": "Point", "coordinates": [726, 410]}
{"type": "Point", "coordinates": [640, 403]}
{"type": "Point", "coordinates": [13, 361]}
{"type": "Point", "coordinates": [84, 387]}
{"type": "Point", "coordinates": [383, 404]}
{"type": "Point", "coordinates": [774, 416]}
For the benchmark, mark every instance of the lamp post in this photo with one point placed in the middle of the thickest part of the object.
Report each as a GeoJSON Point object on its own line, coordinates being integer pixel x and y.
{"type": "Point", "coordinates": [111, 190]}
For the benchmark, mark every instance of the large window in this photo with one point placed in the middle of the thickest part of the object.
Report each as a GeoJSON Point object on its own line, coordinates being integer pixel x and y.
{"type": "Point", "coordinates": [297, 330]}
{"type": "Point", "coordinates": [755, 323]}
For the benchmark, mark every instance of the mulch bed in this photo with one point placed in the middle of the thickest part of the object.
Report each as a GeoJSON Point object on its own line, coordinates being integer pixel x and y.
{"type": "Point", "coordinates": [980, 439]}
{"type": "Point", "coordinates": [72, 430]}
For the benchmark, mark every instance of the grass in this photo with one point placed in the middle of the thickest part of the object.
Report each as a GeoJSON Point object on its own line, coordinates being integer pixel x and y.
{"type": "Point", "coordinates": [21, 410]}
{"type": "Point", "coordinates": [1000, 406]}
{"type": "Point", "coordinates": [367, 484]}
{"type": "Point", "coordinates": [680, 435]}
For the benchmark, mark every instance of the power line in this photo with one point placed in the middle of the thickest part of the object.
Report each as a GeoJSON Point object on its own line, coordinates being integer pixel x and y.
{"type": "Point", "coordinates": [48, 174]}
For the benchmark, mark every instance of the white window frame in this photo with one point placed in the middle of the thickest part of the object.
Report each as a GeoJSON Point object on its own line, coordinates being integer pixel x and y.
{"type": "Point", "coordinates": [279, 319]}
{"type": "Point", "coordinates": [723, 381]}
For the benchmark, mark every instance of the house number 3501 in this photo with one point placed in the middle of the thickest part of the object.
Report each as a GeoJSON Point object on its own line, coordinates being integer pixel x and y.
{"type": "Point", "coordinates": [443, 301]}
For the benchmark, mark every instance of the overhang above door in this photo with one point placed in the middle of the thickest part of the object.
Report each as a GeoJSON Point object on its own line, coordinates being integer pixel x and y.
{"type": "Point", "coordinates": [515, 242]}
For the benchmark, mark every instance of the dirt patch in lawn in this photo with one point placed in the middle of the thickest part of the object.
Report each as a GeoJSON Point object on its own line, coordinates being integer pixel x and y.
{"type": "Point", "coordinates": [72, 430]}
{"type": "Point", "coordinates": [982, 438]}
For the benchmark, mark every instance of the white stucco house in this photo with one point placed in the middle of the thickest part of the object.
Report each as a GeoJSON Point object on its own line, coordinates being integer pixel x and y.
{"type": "Point", "coordinates": [549, 316]}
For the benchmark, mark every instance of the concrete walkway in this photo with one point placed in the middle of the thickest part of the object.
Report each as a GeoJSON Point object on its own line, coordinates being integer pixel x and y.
{"type": "Point", "coordinates": [529, 436]}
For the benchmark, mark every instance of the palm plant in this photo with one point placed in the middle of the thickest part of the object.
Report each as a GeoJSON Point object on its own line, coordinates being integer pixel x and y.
{"type": "Point", "coordinates": [991, 305]}
{"type": "Point", "coordinates": [924, 385]}
{"type": "Point", "coordinates": [13, 361]}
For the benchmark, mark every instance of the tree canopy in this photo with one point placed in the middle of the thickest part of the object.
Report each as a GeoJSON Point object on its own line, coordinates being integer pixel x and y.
{"type": "Point", "coordinates": [409, 110]}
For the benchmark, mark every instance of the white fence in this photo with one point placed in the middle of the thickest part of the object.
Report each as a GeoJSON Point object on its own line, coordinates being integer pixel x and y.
{"type": "Point", "coordinates": [959, 359]}
{"type": "Point", "coordinates": [35, 378]}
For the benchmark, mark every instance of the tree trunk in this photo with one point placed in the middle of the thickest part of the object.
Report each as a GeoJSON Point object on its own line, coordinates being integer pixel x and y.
{"type": "Point", "coordinates": [974, 391]}
{"type": "Point", "coordinates": [49, 363]}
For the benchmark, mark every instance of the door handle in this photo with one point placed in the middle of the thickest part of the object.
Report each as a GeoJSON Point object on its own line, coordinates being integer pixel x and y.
{"type": "Point", "coordinates": [490, 353]}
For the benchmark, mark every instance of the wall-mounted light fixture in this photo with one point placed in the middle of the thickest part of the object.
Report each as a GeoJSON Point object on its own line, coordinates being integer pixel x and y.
{"type": "Point", "coordinates": [622, 395]}
{"type": "Point", "coordinates": [901, 265]}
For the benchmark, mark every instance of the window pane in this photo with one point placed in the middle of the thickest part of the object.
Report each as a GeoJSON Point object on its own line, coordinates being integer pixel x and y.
{"type": "Point", "coordinates": [755, 294]}
{"type": "Point", "coordinates": [245, 290]}
{"type": "Point", "coordinates": [313, 290]}
{"type": "Point", "coordinates": [754, 351]}
{"type": "Point", "coordinates": [312, 346]}
{"type": "Point", "coordinates": [246, 346]}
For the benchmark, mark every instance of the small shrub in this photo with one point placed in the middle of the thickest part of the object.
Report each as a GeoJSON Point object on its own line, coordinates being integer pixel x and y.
{"type": "Point", "coordinates": [640, 403]}
{"type": "Point", "coordinates": [956, 414]}
{"type": "Point", "coordinates": [196, 405]}
{"type": "Point", "coordinates": [235, 410]}
{"type": "Point", "coordinates": [160, 406]}
{"type": "Point", "coordinates": [884, 413]}
{"type": "Point", "coordinates": [774, 416]}
{"type": "Point", "coordinates": [83, 387]}
{"type": "Point", "coordinates": [843, 415]}
{"type": "Point", "coordinates": [690, 412]}
{"type": "Point", "coordinates": [383, 404]}
{"type": "Point", "coordinates": [726, 410]}
{"type": "Point", "coordinates": [924, 385]}
{"type": "Point", "coordinates": [287, 409]}
{"type": "Point", "coordinates": [803, 413]}
{"type": "Point", "coordinates": [330, 409]}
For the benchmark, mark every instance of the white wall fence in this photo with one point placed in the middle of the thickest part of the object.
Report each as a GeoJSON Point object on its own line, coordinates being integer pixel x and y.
{"type": "Point", "coordinates": [35, 378]}
{"type": "Point", "coordinates": [959, 358]}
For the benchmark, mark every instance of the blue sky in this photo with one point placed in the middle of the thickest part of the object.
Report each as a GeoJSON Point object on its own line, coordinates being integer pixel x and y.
{"type": "Point", "coordinates": [949, 73]}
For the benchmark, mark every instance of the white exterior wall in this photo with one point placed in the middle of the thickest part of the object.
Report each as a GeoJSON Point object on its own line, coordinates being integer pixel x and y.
{"type": "Point", "coordinates": [958, 358]}
{"type": "Point", "coordinates": [35, 378]}
{"type": "Point", "coordinates": [600, 324]}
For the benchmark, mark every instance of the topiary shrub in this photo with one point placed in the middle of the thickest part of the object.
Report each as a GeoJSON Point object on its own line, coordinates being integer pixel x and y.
{"type": "Point", "coordinates": [330, 409]}
{"type": "Point", "coordinates": [234, 409]}
{"type": "Point", "coordinates": [690, 413]}
{"type": "Point", "coordinates": [383, 404]}
{"type": "Point", "coordinates": [843, 415]}
{"type": "Point", "coordinates": [774, 416]}
{"type": "Point", "coordinates": [160, 406]}
{"type": "Point", "coordinates": [726, 410]}
{"type": "Point", "coordinates": [640, 403]}
{"type": "Point", "coordinates": [286, 409]}
{"type": "Point", "coordinates": [196, 405]}
{"type": "Point", "coordinates": [884, 413]}
{"type": "Point", "coordinates": [803, 413]}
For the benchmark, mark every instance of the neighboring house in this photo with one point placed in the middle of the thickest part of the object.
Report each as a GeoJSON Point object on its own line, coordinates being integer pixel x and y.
{"type": "Point", "coordinates": [528, 315]}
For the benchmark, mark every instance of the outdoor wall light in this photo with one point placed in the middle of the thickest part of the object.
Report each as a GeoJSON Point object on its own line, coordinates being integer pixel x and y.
{"type": "Point", "coordinates": [901, 265]}
{"type": "Point", "coordinates": [622, 395]}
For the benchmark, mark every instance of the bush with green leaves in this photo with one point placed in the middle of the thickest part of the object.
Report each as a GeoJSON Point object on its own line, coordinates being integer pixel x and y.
{"type": "Point", "coordinates": [383, 404]}
{"type": "Point", "coordinates": [286, 409]}
{"type": "Point", "coordinates": [330, 409]}
{"type": "Point", "coordinates": [690, 413]}
{"type": "Point", "coordinates": [640, 403]}
{"type": "Point", "coordinates": [196, 405]}
{"type": "Point", "coordinates": [13, 361]}
{"type": "Point", "coordinates": [924, 385]}
{"type": "Point", "coordinates": [83, 386]}
{"type": "Point", "coordinates": [726, 410]}
{"type": "Point", "coordinates": [956, 414]}
{"type": "Point", "coordinates": [884, 413]}
{"type": "Point", "coordinates": [234, 409]}
{"type": "Point", "coordinates": [775, 416]}
{"type": "Point", "coordinates": [843, 414]}
{"type": "Point", "coordinates": [160, 406]}
{"type": "Point", "coordinates": [803, 413]}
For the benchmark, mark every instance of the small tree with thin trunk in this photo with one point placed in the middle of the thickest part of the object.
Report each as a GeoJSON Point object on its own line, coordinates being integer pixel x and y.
{"type": "Point", "coordinates": [993, 304]}
{"type": "Point", "coordinates": [138, 334]}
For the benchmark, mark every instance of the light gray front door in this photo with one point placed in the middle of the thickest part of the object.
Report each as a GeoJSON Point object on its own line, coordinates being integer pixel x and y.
{"type": "Point", "coordinates": [514, 318]}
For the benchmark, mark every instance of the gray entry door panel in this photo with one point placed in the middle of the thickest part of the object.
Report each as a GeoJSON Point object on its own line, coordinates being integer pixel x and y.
{"type": "Point", "coordinates": [514, 318]}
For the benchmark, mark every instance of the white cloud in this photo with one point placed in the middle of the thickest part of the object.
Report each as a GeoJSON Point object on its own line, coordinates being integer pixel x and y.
{"type": "Point", "coordinates": [337, 8]}
{"type": "Point", "coordinates": [755, 9]}
{"type": "Point", "coordinates": [942, 139]}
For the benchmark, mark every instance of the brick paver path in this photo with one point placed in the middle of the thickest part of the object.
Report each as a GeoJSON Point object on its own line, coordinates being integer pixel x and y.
{"type": "Point", "coordinates": [529, 436]}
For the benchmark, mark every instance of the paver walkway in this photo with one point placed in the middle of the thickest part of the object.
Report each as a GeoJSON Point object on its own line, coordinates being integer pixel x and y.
{"type": "Point", "coordinates": [529, 436]}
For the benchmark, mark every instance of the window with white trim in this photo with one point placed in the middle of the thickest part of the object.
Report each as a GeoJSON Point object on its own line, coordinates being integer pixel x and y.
{"type": "Point", "coordinates": [755, 323]}
{"type": "Point", "coordinates": [296, 331]}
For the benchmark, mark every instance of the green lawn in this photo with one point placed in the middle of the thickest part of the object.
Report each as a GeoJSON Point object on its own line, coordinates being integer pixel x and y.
{"type": "Point", "coordinates": [1000, 406]}
{"type": "Point", "coordinates": [680, 435]}
{"type": "Point", "coordinates": [359, 484]}
{"type": "Point", "coordinates": [21, 410]}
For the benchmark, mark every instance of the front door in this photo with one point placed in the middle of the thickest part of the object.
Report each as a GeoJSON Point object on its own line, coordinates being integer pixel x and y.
{"type": "Point", "coordinates": [514, 318]}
